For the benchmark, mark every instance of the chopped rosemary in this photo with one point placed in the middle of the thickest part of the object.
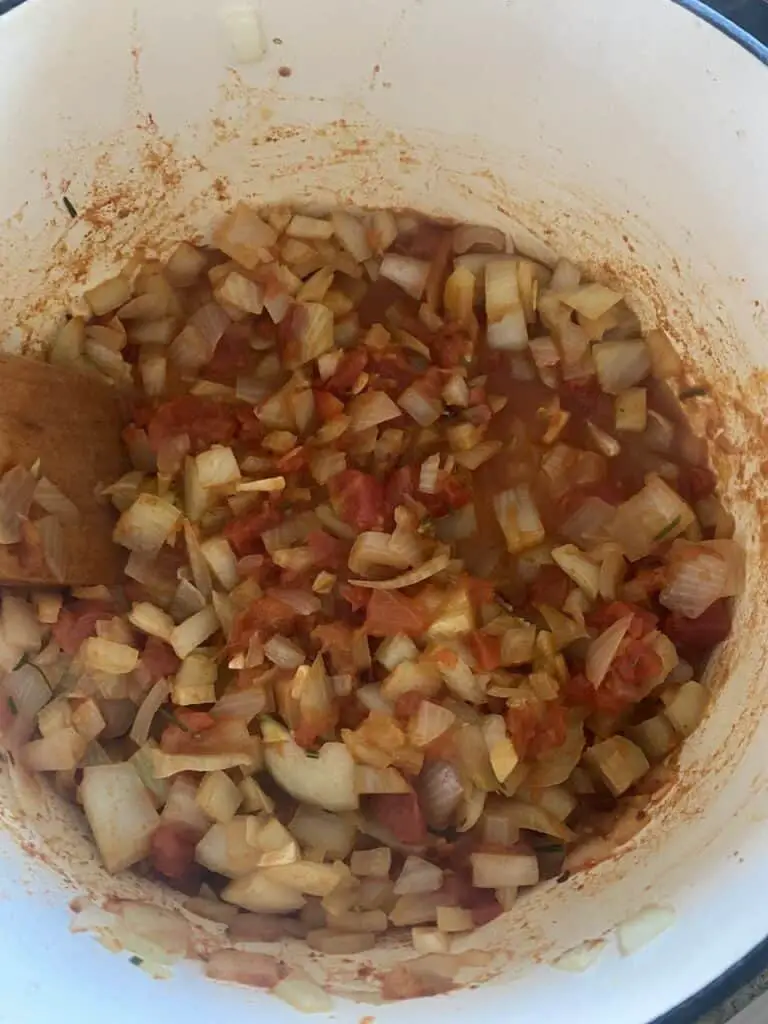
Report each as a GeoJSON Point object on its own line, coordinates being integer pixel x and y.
{"type": "Point", "coordinates": [69, 206]}
{"type": "Point", "coordinates": [169, 715]}
{"type": "Point", "coordinates": [667, 529]}
{"type": "Point", "coordinates": [12, 707]}
{"type": "Point", "coordinates": [136, 961]}
{"type": "Point", "coordinates": [699, 391]}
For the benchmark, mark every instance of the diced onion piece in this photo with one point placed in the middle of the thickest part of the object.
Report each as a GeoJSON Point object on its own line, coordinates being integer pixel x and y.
{"type": "Point", "coordinates": [261, 894]}
{"type": "Point", "coordinates": [643, 927]}
{"type": "Point", "coordinates": [478, 455]}
{"type": "Point", "coordinates": [408, 579]}
{"type": "Point", "coordinates": [454, 919]}
{"type": "Point", "coordinates": [408, 273]}
{"type": "Point", "coordinates": [428, 475]}
{"type": "Point", "coordinates": [665, 362]}
{"type": "Point", "coordinates": [498, 870]}
{"type": "Point", "coordinates": [17, 488]}
{"type": "Point", "coordinates": [430, 721]}
{"type": "Point", "coordinates": [501, 751]}
{"type": "Point", "coordinates": [371, 408]}
{"type": "Point", "coordinates": [352, 234]}
{"type": "Point", "coordinates": [430, 940]}
{"type": "Point", "coordinates": [284, 652]}
{"type": "Point", "coordinates": [418, 876]}
{"type": "Point", "coordinates": [654, 515]}
{"type": "Point", "coordinates": [327, 780]}
{"type": "Point", "coordinates": [307, 877]}
{"type": "Point", "coordinates": [604, 443]}
{"type": "Point", "coordinates": [120, 814]}
{"type": "Point", "coordinates": [221, 559]}
{"type": "Point", "coordinates": [219, 797]}
{"type": "Point", "coordinates": [590, 300]}
{"type": "Point", "coordinates": [396, 649]}
{"type": "Point", "coordinates": [656, 736]}
{"type": "Point", "coordinates": [240, 292]}
{"type": "Point", "coordinates": [686, 709]}
{"type": "Point", "coordinates": [185, 265]}
{"type": "Point", "coordinates": [20, 624]}
{"type": "Point", "coordinates": [604, 649]}
{"type": "Point", "coordinates": [418, 908]}
{"type": "Point", "coordinates": [217, 467]}
{"type": "Point", "coordinates": [165, 765]}
{"type": "Point", "coordinates": [425, 411]}
{"type": "Point", "coordinates": [101, 655]}
{"type": "Point", "coordinates": [241, 966]}
{"type": "Point", "coordinates": [507, 326]}
{"type": "Point", "coordinates": [146, 525]}
{"type": "Point", "coordinates": [151, 620]}
{"type": "Point", "coordinates": [195, 681]}
{"type": "Point", "coordinates": [146, 713]}
{"type": "Point", "coordinates": [194, 631]}
{"type": "Point", "coordinates": [301, 226]}
{"type": "Point", "coordinates": [374, 863]}
{"type": "Point", "coordinates": [313, 333]}
{"type": "Point", "coordinates": [620, 364]}
{"type": "Point", "coordinates": [108, 295]}
{"type": "Point", "coordinates": [245, 237]}
{"type": "Point", "coordinates": [519, 518]}
{"type": "Point", "coordinates": [695, 582]}
{"type": "Point", "coordinates": [330, 835]}
{"type": "Point", "coordinates": [303, 994]}
{"type": "Point", "coordinates": [631, 410]}
{"type": "Point", "coordinates": [619, 762]}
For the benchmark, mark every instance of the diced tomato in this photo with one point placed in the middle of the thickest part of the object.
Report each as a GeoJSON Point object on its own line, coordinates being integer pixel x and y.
{"type": "Point", "coordinates": [352, 714]}
{"type": "Point", "coordinates": [643, 621]}
{"type": "Point", "coordinates": [626, 683]}
{"type": "Point", "coordinates": [358, 499]}
{"type": "Point", "coordinates": [390, 371]}
{"type": "Point", "coordinates": [292, 461]}
{"type": "Point", "coordinates": [451, 492]}
{"type": "Point", "coordinates": [487, 908]}
{"type": "Point", "coordinates": [390, 613]}
{"type": "Point", "coordinates": [550, 732]}
{"type": "Point", "coordinates": [349, 369]}
{"type": "Point", "coordinates": [402, 815]}
{"type": "Point", "coordinates": [401, 484]}
{"type": "Point", "coordinates": [328, 552]}
{"type": "Point", "coordinates": [233, 357]}
{"type": "Point", "coordinates": [265, 615]}
{"type": "Point", "coordinates": [205, 422]}
{"type": "Point", "coordinates": [636, 663]}
{"type": "Point", "coordinates": [695, 483]}
{"type": "Point", "coordinates": [522, 722]}
{"type": "Point", "coordinates": [178, 739]}
{"type": "Point", "coordinates": [486, 649]}
{"type": "Point", "coordinates": [336, 639]}
{"type": "Point", "coordinates": [551, 587]}
{"type": "Point", "coordinates": [244, 533]}
{"type": "Point", "coordinates": [408, 704]}
{"type": "Point", "coordinates": [159, 659]}
{"type": "Point", "coordinates": [251, 429]}
{"type": "Point", "coordinates": [710, 628]}
{"type": "Point", "coordinates": [452, 347]}
{"type": "Point", "coordinates": [172, 850]}
{"type": "Point", "coordinates": [357, 598]}
{"type": "Point", "coordinates": [328, 406]}
{"type": "Point", "coordinates": [480, 591]}
{"type": "Point", "coordinates": [77, 622]}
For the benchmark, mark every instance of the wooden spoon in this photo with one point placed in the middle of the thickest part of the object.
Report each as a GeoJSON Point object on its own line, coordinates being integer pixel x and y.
{"type": "Point", "coordinates": [72, 423]}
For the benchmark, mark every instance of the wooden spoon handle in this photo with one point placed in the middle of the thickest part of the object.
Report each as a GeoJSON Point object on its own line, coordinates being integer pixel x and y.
{"type": "Point", "coordinates": [72, 422]}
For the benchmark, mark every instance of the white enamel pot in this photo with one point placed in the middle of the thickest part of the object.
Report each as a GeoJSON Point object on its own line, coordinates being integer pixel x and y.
{"type": "Point", "coordinates": [631, 137]}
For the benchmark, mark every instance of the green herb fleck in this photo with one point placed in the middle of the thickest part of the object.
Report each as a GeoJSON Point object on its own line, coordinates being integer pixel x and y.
{"type": "Point", "coordinates": [668, 529]}
{"type": "Point", "coordinates": [699, 391]}
{"type": "Point", "coordinates": [12, 707]}
{"type": "Point", "coordinates": [69, 206]}
{"type": "Point", "coordinates": [314, 754]}
{"type": "Point", "coordinates": [169, 715]}
{"type": "Point", "coordinates": [136, 961]}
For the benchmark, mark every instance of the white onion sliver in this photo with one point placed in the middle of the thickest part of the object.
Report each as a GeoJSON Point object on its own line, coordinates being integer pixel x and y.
{"type": "Point", "coordinates": [149, 708]}
{"type": "Point", "coordinates": [603, 650]}
{"type": "Point", "coordinates": [410, 274]}
{"type": "Point", "coordinates": [693, 585]}
{"type": "Point", "coordinates": [407, 579]}
{"type": "Point", "coordinates": [642, 928]}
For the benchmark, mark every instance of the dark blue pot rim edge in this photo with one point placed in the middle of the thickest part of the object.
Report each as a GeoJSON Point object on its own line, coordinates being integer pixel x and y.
{"type": "Point", "coordinates": [756, 961]}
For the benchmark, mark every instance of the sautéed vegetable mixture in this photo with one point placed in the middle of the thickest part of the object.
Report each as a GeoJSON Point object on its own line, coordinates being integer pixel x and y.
{"type": "Point", "coordinates": [424, 564]}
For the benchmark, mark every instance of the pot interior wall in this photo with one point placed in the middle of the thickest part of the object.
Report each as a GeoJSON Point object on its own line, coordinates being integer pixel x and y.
{"type": "Point", "coordinates": [625, 137]}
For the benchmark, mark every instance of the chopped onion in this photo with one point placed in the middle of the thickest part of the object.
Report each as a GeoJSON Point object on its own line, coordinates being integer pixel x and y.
{"type": "Point", "coordinates": [284, 652]}
{"type": "Point", "coordinates": [369, 780]}
{"type": "Point", "coordinates": [352, 234]}
{"type": "Point", "coordinates": [467, 237]}
{"type": "Point", "coordinates": [50, 498]}
{"type": "Point", "coordinates": [120, 814]}
{"type": "Point", "coordinates": [631, 410]}
{"type": "Point", "coordinates": [303, 994]}
{"type": "Point", "coordinates": [686, 709]}
{"type": "Point", "coordinates": [101, 655]}
{"type": "Point", "coordinates": [194, 631]}
{"type": "Point", "coordinates": [519, 518]}
{"type": "Point", "coordinates": [108, 295]}
{"type": "Point", "coordinates": [418, 876]}
{"type": "Point", "coordinates": [408, 579]}
{"type": "Point", "coordinates": [327, 780]}
{"type": "Point", "coordinates": [146, 525]}
{"type": "Point", "coordinates": [604, 649]}
{"type": "Point", "coordinates": [371, 863]}
{"type": "Point", "coordinates": [408, 273]}
{"type": "Point", "coordinates": [371, 408]}
{"type": "Point", "coordinates": [340, 943]}
{"type": "Point", "coordinates": [440, 792]}
{"type": "Point", "coordinates": [619, 762]}
{"type": "Point", "coordinates": [499, 870]}
{"type": "Point", "coordinates": [430, 721]}
{"type": "Point", "coordinates": [620, 364]}
{"type": "Point", "coordinates": [149, 708]}
{"type": "Point", "coordinates": [217, 467]}
{"type": "Point", "coordinates": [580, 958]}
{"type": "Point", "coordinates": [590, 300]}
{"type": "Point", "coordinates": [590, 523]}
{"type": "Point", "coordinates": [654, 515]}
{"type": "Point", "coordinates": [643, 927]}
{"type": "Point", "coordinates": [425, 411]}
{"type": "Point", "coordinates": [245, 237]}
{"type": "Point", "coordinates": [697, 580]}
